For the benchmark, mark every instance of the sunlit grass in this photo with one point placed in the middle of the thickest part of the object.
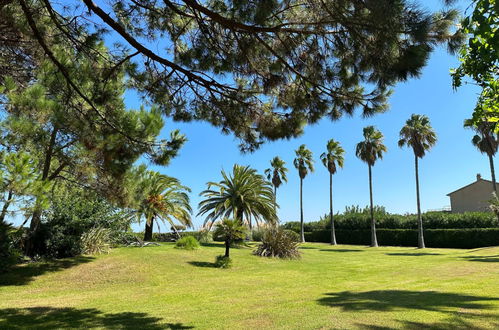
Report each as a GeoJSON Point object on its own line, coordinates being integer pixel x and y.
{"type": "Point", "coordinates": [329, 287]}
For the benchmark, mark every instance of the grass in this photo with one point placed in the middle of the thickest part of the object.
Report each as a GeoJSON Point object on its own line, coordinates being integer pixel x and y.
{"type": "Point", "coordinates": [330, 287]}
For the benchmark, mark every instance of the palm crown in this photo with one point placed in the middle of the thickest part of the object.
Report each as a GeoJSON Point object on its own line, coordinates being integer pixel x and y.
{"type": "Point", "coordinates": [418, 134]}
{"type": "Point", "coordinates": [333, 158]}
{"type": "Point", "coordinates": [372, 148]}
{"type": "Point", "coordinates": [243, 194]}
{"type": "Point", "coordinates": [485, 141]}
{"type": "Point", "coordinates": [277, 172]}
{"type": "Point", "coordinates": [303, 161]}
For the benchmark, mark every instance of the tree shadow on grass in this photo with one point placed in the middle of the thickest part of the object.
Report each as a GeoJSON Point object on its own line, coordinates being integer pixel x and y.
{"type": "Point", "coordinates": [307, 248]}
{"type": "Point", "coordinates": [388, 300]}
{"type": "Point", "coordinates": [68, 318]}
{"type": "Point", "coordinates": [203, 264]}
{"type": "Point", "coordinates": [22, 274]}
{"type": "Point", "coordinates": [482, 258]}
{"type": "Point", "coordinates": [413, 254]}
{"type": "Point", "coordinates": [341, 250]}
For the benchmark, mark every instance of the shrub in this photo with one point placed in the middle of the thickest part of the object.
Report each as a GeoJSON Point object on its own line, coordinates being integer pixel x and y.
{"type": "Point", "coordinates": [8, 255]}
{"type": "Point", "coordinates": [230, 231]}
{"type": "Point", "coordinates": [257, 234]}
{"type": "Point", "coordinates": [222, 261]}
{"type": "Point", "coordinates": [279, 243]}
{"type": "Point", "coordinates": [95, 241]}
{"type": "Point", "coordinates": [187, 243]}
{"type": "Point", "coordinates": [436, 238]}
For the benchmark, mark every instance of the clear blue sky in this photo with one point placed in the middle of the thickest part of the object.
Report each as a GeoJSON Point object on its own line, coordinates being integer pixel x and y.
{"type": "Point", "coordinates": [451, 164]}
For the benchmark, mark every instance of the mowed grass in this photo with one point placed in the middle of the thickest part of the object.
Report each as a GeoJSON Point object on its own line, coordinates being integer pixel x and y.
{"type": "Point", "coordinates": [330, 287]}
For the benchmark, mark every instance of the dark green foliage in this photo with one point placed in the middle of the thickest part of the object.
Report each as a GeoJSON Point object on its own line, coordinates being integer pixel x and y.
{"type": "Point", "coordinates": [279, 243]}
{"type": "Point", "coordinates": [222, 261]}
{"type": "Point", "coordinates": [229, 231]}
{"type": "Point", "coordinates": [8, 255]}
{"type": "Point", "coordinates": [72, 214]}
{"type": "Point", "coordinates": [187, 243]}
{"type": "Point", "coordinates": [436, 238]}
{"type": "Point", "coordinates": [257, 234]}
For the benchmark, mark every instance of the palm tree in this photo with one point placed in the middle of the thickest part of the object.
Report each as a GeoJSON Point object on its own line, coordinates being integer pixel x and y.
{"type": "Point", "coordinates": [370, 150]}
{"type": "Point", "coordinates": [160, 197]}
{"type": "Point", "coordinates": [332, 159]}
{"type": "Point", "coordinates": [229, 231]}
{"type": "Point", "coordinates": [486, 141]}
{"type": "Point", "coordinates": [418, 134]}
{"type": "Point", "coordinates": [303, 163]}
{"type": "Point", "coordinates": [276, 174]}
{"type": "Point", "coordinates": [244, 195]}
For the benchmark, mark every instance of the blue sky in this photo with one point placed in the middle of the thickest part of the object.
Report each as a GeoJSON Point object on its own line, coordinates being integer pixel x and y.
{"type": "Point", "coordinates": [451, 164]}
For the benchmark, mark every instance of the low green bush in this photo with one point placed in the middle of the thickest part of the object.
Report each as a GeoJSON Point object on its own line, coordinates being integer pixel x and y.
{"type": "Point", "coordinates": [437, 238]}
{"type": "Point", "coordinates": [222, 261]}
{"type": "Point", "coordinates": [204, 236]}
{"type": "Point", "coordinates": [257, 234]}
{"type": "Point", "coordinates": [187, 243]}
{"type": "Point", "coordinates": [279, 243]}
{"type": "Point", "coordinates": [8, 254]}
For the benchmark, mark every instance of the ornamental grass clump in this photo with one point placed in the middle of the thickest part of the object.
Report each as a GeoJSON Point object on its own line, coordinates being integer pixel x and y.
{"type": "Point", "coordinates": [279, 243]}
{"type": "Point", "coordinates": [187, 243]}
{"type": "Point", "coordinates": [95, 241]}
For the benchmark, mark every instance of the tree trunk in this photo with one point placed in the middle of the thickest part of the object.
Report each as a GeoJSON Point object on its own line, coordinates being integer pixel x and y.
{"type": "Point", "coordinates": [493, 173]}
{"type": "Point", "coordinates": [275, 202]}
{"type": "Point", "coordinates": [30, 247]}
{"type": "Point", "coordinates": [333, 234]}
{"type": "Point", "coordinates": [227, 248]}
{"type": "Point", "coordinates": [148, 230]}
{"type": "Point", "coordinates": [374, 240]}
{"type": "Point", "coordinates": [6, 206]}
{"type": "Point", "coordinates": [302, 230]}
{"type": "Point", "coordinates": [420, 219]}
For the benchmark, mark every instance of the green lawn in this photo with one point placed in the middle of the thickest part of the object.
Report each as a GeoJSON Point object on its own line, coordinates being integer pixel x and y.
{"type": "Point", "coordinates": [341, 287]}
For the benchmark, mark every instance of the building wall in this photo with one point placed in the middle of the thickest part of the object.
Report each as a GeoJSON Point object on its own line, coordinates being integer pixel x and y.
{"type": "Point", "coordinates": [474, 197]}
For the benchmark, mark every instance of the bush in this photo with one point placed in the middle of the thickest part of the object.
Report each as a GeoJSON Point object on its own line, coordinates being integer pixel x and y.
{"type": "Point", "coordinates": [257, 235]}
{"type": "Point", "coordinates": [279, 243]}
{"type": "Point", "coordinates": [95, 241]}
{"type": "Point", "coordinates": [8, 255]}
{"type": "Point", "coordinates": [436, 238]}
{"type": "Point", "coordinates": [187, 243]}
{"type": "Point", "coordinates": [204, 236]}
{"type": "Point", "coordinates": [222, 261]}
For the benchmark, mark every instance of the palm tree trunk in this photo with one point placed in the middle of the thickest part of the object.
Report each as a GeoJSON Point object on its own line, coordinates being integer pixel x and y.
{"type": "Point", "coordinates": [6, 206]}
{"type": "Point", "coordinates": [302, 228]}
{"type": "Point", "coordinates": [148, 230]}
{"type": "Point", "coordinates": [493, 173]}
{"type": "Point", "coordinates": [420, 219]}
{"type": "Point", "coordinates": [227, 248]}
{"type": "Point", "coordinates": [275, 201]}
{"type": "Point", "coordinates": [374, 240]}
{"type": "Point", "coordinates": [333, 234]}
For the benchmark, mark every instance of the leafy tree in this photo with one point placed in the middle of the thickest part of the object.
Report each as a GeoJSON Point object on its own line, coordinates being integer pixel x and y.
{"type": "Point", "coordinates": [479, 58]}
{"type": "Point", "coordinates": [332, 159]}
{"type": "Point", "coordinates": [229, 231]}
{"type": "Point", "coordinates": [303, 163]}
{"type": "Point", "coordinates": [486, 141]}
{"type": "Point", "coordinates": [276, 174]}
{"type": "Point", "coordinates": [418, 134]}
{"type": "Point", "coordinates": [160, 197]}
{"type": "Point", "coordinates": [369, 151]}
{"type": "Point", "coordinates": [259, 69]}
{"type": "Point", "coordinates": [244, 195]}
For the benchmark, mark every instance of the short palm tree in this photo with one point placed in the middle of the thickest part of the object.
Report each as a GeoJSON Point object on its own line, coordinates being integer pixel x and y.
{"type": "Point", "coordinates": [332, 159]}
{"type": "Point", "coordinates": [276, 174]}
{"type": "Point", "coordinates": [243, 195]}
{"type": "Point", "coordinates": [418, 134]}
{"type": "Point", "coordinates": [160, 197]}
{"type": "Point", "coordinates": [304, 163]}
{"type": "Point", "coordinates": [369, 151]}
{"type": "Point", "coordinates": [486, 141]}
{"type": "Point", "coordinates": [229, 231]}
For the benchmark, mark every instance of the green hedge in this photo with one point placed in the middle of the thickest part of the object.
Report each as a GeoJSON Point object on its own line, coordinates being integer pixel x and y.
{"type": "Point", "coordinates": [437, 238]}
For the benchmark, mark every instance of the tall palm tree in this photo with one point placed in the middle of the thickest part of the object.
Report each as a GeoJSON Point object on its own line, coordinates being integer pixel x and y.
{"type": "Point", "coordinates": [418, 134]}
{"type": "Point", "coordinates": [332, 159]}
{"type": "Point", "coordinates": [160, 197]}
{"type": "Point", "coordinates": [244, 195]}
{"type": "Point", "coordinates": [276, 174]}
{"type": "Point", "coordinates": [370, 150]}
{"type": "Point", "coordinates": [303, 163]}
{"type": "Point", "coordinates": [486, 141]}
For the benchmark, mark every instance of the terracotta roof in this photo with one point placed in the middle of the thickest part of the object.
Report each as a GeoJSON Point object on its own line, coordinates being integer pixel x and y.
{"type": "Point", "coordinates": [468, 186]}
